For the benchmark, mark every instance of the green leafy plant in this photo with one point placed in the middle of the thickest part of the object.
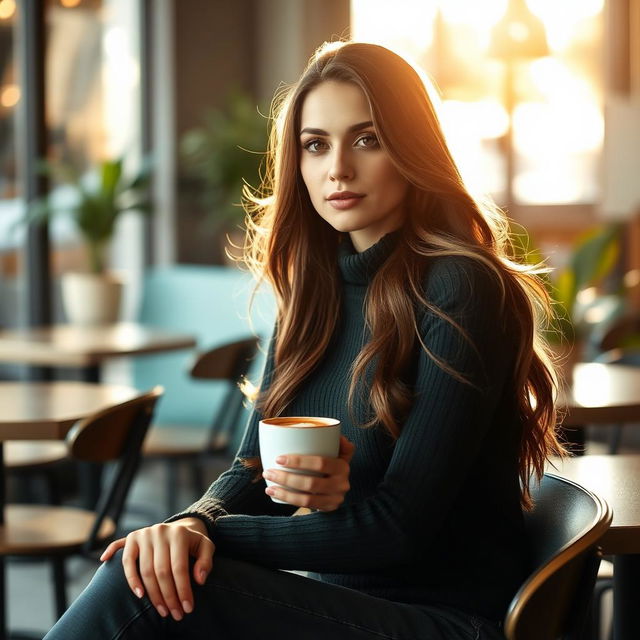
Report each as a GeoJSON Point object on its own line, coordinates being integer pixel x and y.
{"type": "Point", "coordinates": [224, 154]}
{"type": "Point", "coordinates": [97, 201]}
{"type": "Point", "coordinates": [592, 264]}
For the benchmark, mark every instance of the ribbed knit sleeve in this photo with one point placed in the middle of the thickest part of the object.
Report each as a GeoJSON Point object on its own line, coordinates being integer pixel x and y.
{"type": "Point", "coordinates": [438, 446]}
{"type": "Point", "coordinates": [240, 488]}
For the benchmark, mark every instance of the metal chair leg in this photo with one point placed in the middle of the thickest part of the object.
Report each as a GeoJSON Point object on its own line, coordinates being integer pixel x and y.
{"type": "Point", "coordinates": [615, 436]}
{"type": "Point", "coordinates": [197, 477]}
{"type": "Point", "coordinates": [59, 584]}
{"type": "Point", "coordinates": [172, 486]}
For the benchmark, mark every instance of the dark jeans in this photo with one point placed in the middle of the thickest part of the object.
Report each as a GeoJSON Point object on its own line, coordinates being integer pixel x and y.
{"type": "Point", "coordinates": [244, 601]}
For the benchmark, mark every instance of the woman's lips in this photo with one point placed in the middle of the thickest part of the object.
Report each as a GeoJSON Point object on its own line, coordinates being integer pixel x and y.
{"type": "Point", "coordinates": [344, 200]}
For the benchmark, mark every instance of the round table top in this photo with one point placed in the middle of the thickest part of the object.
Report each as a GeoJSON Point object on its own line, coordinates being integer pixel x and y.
{"type": "Point", "coordinates": [616, 478]}
{"type": "Point", "coordinates": [77, 345]}
{"type": "Point", "coordinates": [602, 393]}
{"type": "Point", "coordinates": [47, 410]}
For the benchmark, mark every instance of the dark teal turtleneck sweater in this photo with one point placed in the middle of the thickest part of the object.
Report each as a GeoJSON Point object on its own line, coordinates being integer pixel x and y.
{"type": "Point", "coordinates": [432, 518]}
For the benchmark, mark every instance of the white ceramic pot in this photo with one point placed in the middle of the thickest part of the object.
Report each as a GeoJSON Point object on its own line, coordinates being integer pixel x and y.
{"type": "Point", "coordinates": [91, 298]}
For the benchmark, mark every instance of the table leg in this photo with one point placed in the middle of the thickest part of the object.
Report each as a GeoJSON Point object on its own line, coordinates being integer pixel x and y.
{"type": "Point", "coordinates": [3, 603]}
{"type": "Point", "coordinates": [90, 474]}
{"type": "Point", "coordinates": [626, 595]}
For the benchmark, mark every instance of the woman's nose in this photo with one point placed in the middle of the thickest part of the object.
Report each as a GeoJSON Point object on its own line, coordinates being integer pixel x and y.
{"type": "Point", "coordinates": [341, 168]}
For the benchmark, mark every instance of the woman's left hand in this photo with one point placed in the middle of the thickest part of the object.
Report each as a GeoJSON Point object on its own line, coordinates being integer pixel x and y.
{"type": "Point", "coordinates": [324, 493]}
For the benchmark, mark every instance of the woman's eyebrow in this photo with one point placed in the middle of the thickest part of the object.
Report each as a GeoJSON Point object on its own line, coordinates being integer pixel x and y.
{"type": "Point", "coordinates": [351, 129]}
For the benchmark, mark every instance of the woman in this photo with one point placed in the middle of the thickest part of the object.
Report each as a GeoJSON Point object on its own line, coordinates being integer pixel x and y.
{"type": "Point", "coordinates": [399, 313]}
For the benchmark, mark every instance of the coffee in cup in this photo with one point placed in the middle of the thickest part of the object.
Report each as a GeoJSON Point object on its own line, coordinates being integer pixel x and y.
{"type": "Point", "coordinates": [300, 435]}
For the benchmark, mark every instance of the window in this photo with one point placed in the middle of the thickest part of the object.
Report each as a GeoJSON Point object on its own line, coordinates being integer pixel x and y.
{"type": "Point", "coordinates": [557, 115]}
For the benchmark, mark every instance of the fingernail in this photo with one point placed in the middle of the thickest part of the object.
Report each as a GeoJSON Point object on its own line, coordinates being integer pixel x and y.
{"type": "Point", "coordinates": [139, 592]}
{"type": "Point", "coordinates": [102, 556]}
{"type": "Point", "coordinates": [268, 475]}
{"type": "Point", "coordinates": [162, 611]}
{"type": "Point", "coordinates": [203, 576]}
{"type": "Point", "coordinates": [176, 614]}
{"type": "Point", "coordinates": [270, 491]}
{"type": "Point", "coordinates": [281, 459]}
{"type": "Point", "coordinates": [186, 605]}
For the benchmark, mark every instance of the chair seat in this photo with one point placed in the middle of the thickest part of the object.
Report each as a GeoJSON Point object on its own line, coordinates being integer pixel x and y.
{"type": "Point", "coordinates": [42, 530]}
{"type": "Point", "coordinates": [166, 441]}
{"type": "Point", "coordinates": [23, 454]}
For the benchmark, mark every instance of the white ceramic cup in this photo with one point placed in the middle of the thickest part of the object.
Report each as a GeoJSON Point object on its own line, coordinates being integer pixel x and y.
{"type": "Point", "coordinates": [302, 435]}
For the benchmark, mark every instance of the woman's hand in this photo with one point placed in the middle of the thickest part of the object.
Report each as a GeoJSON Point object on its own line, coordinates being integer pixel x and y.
{"type": "Point", "coordinates": [324, 493]}
{"type": "Point", "coordinates": [162, 553]}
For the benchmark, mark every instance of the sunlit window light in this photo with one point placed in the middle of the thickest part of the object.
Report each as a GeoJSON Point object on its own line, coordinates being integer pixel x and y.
{"type": "Point", "coordinates": [562, 17]}
{"type": "Point", "coordinates": [539, 124]}
{"type": "Point", "coordinates": [9, 96]}
{"type": "Point", "coordinates": [7, 9]}
{"type": "Point", "coordinates": [405, 26]}
{"type": "Point", "coordinates": [479, 15]}
{"type": "Point", "coordinates": [558, 125]}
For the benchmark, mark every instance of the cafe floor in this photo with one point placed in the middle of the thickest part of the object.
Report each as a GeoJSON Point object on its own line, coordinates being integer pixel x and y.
{"type": "Point", "coordinates": [30, 594]}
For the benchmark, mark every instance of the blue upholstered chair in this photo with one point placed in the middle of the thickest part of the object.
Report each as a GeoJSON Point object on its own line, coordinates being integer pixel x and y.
{"type": "Point", "coordinates": [212, 303]}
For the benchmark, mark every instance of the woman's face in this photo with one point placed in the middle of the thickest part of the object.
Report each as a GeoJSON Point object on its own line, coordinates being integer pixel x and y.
{"type": "Point", "coordinates": [352, 182]}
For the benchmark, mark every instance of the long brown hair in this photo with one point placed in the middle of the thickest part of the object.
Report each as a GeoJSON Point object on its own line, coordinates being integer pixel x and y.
{"type": "Point", "coordinates": [293, 248]}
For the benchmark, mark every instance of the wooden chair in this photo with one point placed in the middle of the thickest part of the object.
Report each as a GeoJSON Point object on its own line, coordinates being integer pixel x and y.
{"type": "Point", "coordinates": [37, 459]}
{"type": "Point", "coordinates": [112, 435]}
{"type": "Point", "coordinates": [564, 529]}
{"type": "Point", "coordinates": [181, 444]}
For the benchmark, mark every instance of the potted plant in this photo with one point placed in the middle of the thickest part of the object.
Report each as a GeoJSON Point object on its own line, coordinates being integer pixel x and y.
{"type": "Point", "coordinates": [223, 155]}
{"type": "Point", "coordinates": [588, 292]}
{"type": "Point", "coordinates": [96, 201]}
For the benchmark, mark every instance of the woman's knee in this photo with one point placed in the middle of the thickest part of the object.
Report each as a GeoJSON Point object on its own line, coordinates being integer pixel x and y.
{"type": "Point", "coordinates": [110, 574]}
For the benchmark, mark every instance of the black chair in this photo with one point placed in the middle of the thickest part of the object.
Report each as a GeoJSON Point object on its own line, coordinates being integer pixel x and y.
{"type": "Point", "coordinates": [40, 531]}
{"type": "Point", "coordinates": [192, 446]}
{"type": "Point", "coordinates": [564, 529]}
{"type": "Point", "coordinates": [30, 461]}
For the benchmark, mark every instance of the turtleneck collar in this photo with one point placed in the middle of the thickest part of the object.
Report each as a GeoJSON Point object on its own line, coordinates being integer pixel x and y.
{"type": "Point", "coordinates": [359, 268]}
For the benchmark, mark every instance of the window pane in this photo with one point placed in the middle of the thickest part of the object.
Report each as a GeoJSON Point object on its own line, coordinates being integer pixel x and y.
{"type": "Point", "coordinates": [557, 116]}
{"type": "Point", "coordinates": [11, 293]}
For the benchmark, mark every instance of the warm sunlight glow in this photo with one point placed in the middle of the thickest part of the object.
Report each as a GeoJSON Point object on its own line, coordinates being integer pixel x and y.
{"type": "Point", "coordinates": [405, 26]}
{"type": "Point", "coordinates": [571, 130]}
{"type": "Point", "coordinates": [479, 15]}
{"type": "Point", "coordinates": [561, 17]}
{"type": "Point", "coordinates": [69, 4]}
{"type": "Point", "coordinates": [557, 120]}
{"type": "Point", "coordinates": [466, 126]}
{"type": "Point", "coordinates": [7, 9]}
{"type": "Point", "coordinates": [9, 96]}
{"type": "Point", "coordinates": [484, 119]}
{"type": "Point", "coordinates": [592, 387]}
{"type": "Point", "coordinates": [555, 81]}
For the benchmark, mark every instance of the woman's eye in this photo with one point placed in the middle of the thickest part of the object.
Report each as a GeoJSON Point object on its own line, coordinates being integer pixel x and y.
{"type": "Point", "coordinates": [314, 146]}
{"type": "Point", "coordinates": [368, 141]}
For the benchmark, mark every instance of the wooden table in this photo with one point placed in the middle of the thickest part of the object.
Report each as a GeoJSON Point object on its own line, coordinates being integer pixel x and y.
{"type": "Point", "coordinates": [86, 347]}
{"type": "Point", "coordinates": [616, 478]}
{"type": "Point", "coordinates": [45, 411]}
{"type": "Point", "coordinates": [602, 394]}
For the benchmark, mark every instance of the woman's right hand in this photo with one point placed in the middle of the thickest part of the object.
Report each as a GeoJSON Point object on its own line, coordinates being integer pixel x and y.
{"type": "Point", "coordinates": [162, 553]}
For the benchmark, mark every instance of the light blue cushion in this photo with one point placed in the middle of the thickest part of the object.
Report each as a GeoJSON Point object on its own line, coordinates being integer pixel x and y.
{"type": "Point", "coordinates": [211, 303]}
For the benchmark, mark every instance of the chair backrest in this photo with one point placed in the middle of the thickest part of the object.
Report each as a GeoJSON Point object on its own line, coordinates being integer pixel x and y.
{"type": "Point", "coordinates": [211, 303]}
{"type": "Point", "coordinates": [114, 435]}
{"type": "Point", "coordinates": [563, 529]}
{"type": "Point", "coordinates": [229, 363]}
